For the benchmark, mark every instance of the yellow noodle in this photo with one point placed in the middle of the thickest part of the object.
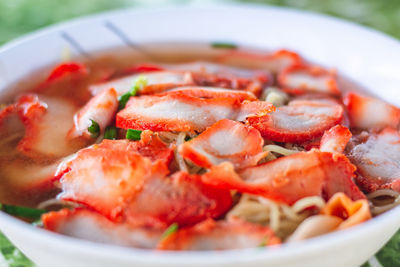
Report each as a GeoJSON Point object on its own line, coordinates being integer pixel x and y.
{"type": "Point", "coordinates": [53, 202]}
{"type": "Point", "coordinates": [179, 159]}
{"type": "Point", "coordinates": [280, 150]}
{"type": "Point", "coordinates": [281, 218]}
{"type": "Point", "coordinates": [168, 137]}
{"type": "Point", "coordinates": [383, 200]}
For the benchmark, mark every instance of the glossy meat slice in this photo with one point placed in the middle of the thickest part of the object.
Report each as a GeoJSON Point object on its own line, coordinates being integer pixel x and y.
{"type": "Point", "coordinates": [101, 109]}
{"type": "Point", "coordinates": [157, 81]}
{"type": "Point", "coordinates": [180, 198]}
{"type": "Point", "coordinates": [368, 112]}
{"type": "Point", "coordinates": [299, 79]}
{"type": "Point", "coordinates": [184, 113]}
{"type": "Point", "coordinates": [90, 225]}
{"type": "Point", "coordinates": [122, 184]}
{"type": "Point", "coordinates": [207, 235]}
{"type": "Point", "coordinates": [234, 75]}
{"type": "Point", "coordinates": [335, 139]}
{"type": "Point", "coordinates": [211, 92]}
{"type": "Point", "coordinates": [211, 74]}
{"type": "Point", "coordinates": [274, 62]}
{"type": "Point", "coordinates": [289, 178]}
{"type": "Point", "coordinates": [212, 235]}
{"type": "Point", "coordinates": [299, 121]}
{"type": "Point", "coordinates": [149, 145]}
{"type": "Point", "coordinates": [106, 179]}
{"type": "Point", "coordinates": [225, 140]}
{"type": "Point", "coordinates": [378, 161]}
{"type": "Point", "coordinates": [24, 177]}
{"type": "Point", "coordinates": [44, 137]}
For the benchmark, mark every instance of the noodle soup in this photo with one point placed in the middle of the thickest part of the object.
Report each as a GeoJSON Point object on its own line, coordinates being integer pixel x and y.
{"type": "Point", "coordinates": [196, 147]}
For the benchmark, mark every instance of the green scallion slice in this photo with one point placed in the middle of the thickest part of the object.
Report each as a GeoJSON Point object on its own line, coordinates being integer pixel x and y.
{"type": "Point", "coordinates": [264, 242]}
{"type": "Point", "coordinates": [123, 99]}
{"type": "Point", "coordinates": [24, 212]}
{"type": "Point", "coordinates": [139, 84]}
{"type": "Point", "coordinates": [94, 129]}
{"type": "Point", "coordinates": [173, 228]}
{"type": "Point", "coordinates": [133, 134]}
{"type": "Point", "coordinates": [110, 133]}
{"type": "Point", "coordinates": [224, 45]}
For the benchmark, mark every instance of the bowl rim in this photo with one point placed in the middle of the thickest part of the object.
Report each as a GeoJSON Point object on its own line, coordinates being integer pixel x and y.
{"type": "Point", "coordinates": [76, 245]}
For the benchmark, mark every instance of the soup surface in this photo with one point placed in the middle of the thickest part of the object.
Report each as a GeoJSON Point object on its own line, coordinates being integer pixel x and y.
{"type": "Point", "coordinates": [196, 147]}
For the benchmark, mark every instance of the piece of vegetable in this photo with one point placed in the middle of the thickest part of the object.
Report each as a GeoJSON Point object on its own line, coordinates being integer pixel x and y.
{"type": "Point", "coordinates": [172, 229]}
{"type": "Point", "coordinates": [264, 242]}
{"type": "Point", "coordinates": [123, 99]}
{"type": "Point", "coordinates": [94, 129]}
{"type": "Point", "coordinates": [138, 84]}
{"type": "Point", "coordinates": [24, 212]}
{"type": "Point", "coordinates": [110, 133]}
{"type": "Point", "coordinates": [133, 134]}
{"type": "Point", "coordinates": [224, 45]}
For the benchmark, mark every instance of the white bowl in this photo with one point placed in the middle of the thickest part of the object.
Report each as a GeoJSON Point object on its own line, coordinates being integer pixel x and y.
{"type": "Point", "coordinates": [365, 56]}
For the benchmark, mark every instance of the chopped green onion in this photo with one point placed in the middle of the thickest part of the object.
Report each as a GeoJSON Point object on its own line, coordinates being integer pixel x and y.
{"type": "Point", "coordinates": [264, 242]}
{"type": "Point", "coordinates": [94, 129]}
{"type": "Point", "coordinates": [173, 228]}
{"type": "Point", "coordinates": [188, 138]}
{"type": "Point", "coordinates": [224, 45]}
{"type": "Point", "coordinates": [138, 84]}
{"type": "Point", "coordinates": [110, 133]}
{"type": "Point", "coordinates": [23, 212]}
{"type": "Point", "coordinates": [123, 99]}
{"type": "Point", "coordinates": [133, 134]}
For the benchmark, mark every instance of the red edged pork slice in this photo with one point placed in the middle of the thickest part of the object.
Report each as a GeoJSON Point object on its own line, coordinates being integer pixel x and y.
{"type": "Point", "coordinates": [300, 79]}
{"type": "Point", "coordinates": [144, 67]}
{"type": "Point", "coordinates": [121, 184]}
{"type": "Point", "coordinates": [220, 235]}
{"type": "Point", "coordinates": [25, 177]}
{"type": "Point", "coordinates": [149, 146]}
{"type": "Point", "coordinates": [157, 81]}
{"type": "Point", "coordinates": [106, 179]}
{"type": "Point", "coordinates": [211, 92]}
{"type": "Point", "coordinates": [378, 161]}
{"type": "Point", "coordinates": [274, 62]}
{"type": "Point", "coordinates": [335, 139]}
{"type": "Point", "coordinates": [211, 74]}
{"type": "Point", "coordinates": [90, 225]}
{"type": "Point", "coordinates": [101, 109]}
{"type": "Point", "coordinates": [46, 122]}
{"type": "Point", "coordinates": [286, 179]}
{"type": "Point", "coordinates": [67, 71]}
{"type": "Point", "coordinates": [339, 175]}
{"type": "Point", "coordinates": [225, 140]}
{"type": "Point", "coordinates": [368, 112]}
{"type": "Point", "coordinates": [182, 198]}
{"type": "Point", "coordinates": [235, 76]}
{"type": "Point", "coordinates": [184, 113]}
{"type": "Point", "coordinates": [299, 121]}
{"type": "Point", "coordinates": [11, 130]}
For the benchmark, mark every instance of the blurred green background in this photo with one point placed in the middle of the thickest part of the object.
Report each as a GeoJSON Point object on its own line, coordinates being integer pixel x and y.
{"type": "Point", "coordinates": [21, 16]}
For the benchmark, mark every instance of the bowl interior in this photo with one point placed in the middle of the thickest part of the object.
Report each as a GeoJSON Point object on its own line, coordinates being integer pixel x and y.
{"type": "Point", "coordinates": [327, 41]}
